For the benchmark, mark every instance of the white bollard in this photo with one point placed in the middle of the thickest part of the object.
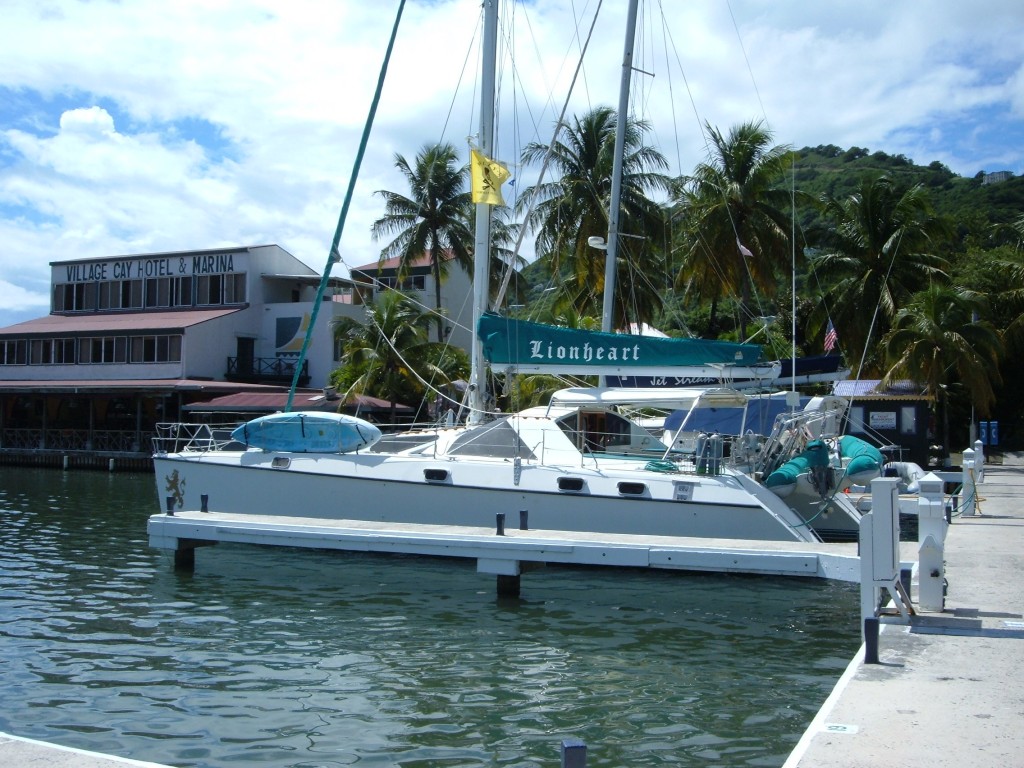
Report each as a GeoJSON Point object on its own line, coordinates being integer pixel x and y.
{"type": "Point", "coordinates": [969, 494]}
{"type": "Point", "coordinates": [979, 461]}
{"type": "Point", "coordinates": [931, 537]}
{"type": "Point", "coordinates": [879, 545]}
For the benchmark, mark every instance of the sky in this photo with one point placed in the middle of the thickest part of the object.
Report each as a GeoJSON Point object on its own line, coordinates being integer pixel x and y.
{"type": "Point", "coordinates": [144, 126]}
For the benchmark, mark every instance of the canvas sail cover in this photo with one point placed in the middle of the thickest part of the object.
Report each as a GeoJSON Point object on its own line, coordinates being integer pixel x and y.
{"type": "Point", "coordinates": [540, 348]}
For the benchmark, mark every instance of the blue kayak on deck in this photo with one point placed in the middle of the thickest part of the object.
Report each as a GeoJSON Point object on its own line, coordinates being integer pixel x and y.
{"type": "Point", "coordinates": [307, 432]}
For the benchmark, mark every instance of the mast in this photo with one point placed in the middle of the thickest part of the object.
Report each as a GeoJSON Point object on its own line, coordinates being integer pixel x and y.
{"type": "Point", "coordinates": [482, 249]}
{"type": "Point", "coordinates": [608, 309]}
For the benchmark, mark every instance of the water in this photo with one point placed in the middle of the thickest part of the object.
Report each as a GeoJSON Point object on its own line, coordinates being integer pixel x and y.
{"type": "Point", "coordinates": [281, 657]}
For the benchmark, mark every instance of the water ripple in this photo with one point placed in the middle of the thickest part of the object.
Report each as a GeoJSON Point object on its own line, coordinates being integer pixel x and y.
{"type": "Point", "coordinates": [294, 658]}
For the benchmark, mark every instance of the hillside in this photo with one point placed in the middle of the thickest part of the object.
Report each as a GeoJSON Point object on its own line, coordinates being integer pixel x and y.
{"type": "Point", "coordinates": [973, 205]}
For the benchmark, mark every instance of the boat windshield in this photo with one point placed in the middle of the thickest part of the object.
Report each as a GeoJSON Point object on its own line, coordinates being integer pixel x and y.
{"type": "Point", "coordinates": [496, 439]}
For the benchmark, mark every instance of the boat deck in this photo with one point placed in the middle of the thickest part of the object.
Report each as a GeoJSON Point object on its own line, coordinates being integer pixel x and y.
{"type": "Point", "coordinates": [505, 553]}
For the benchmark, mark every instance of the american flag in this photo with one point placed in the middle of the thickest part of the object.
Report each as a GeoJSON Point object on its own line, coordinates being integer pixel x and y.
{"type": "Point", "coordinates": [831, 337]}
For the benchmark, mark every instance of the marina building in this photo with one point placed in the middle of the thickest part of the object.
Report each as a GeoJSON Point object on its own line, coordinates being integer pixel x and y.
{"type": "Point", "coordinates": [131, 341]}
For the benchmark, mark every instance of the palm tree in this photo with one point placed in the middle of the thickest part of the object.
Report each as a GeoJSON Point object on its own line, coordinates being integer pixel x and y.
{"type": "Point", "coordinates": [935, 339]}
{"type": "Point", "coordinates": [882, 248]}
{"type": "Point", "coordinates": [433, 220]}
{"type": "Point", "coordinates": [388, 355]}
{"type": "Point", "coordinates": [573, 208]}
{"type": "Point", "coordinates": [734, 202]}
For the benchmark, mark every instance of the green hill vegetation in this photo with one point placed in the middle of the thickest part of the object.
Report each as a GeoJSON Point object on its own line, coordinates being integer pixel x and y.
{"type": "Point", "coordinates": [920, 271]}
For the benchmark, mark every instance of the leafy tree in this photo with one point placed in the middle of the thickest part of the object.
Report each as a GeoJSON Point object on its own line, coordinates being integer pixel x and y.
{"type": "Point", "coordinates": [389, 355]}
{"type": "Point", "coordinates": [884, 244]}
{"type": "Point", "coordinates": [573, 208]}
{"type": "Point", "coordinates": [737, 217]}
{"type": "Point", "coordinates": [936, 340]}
{"type": "Point", "coordinates": [433, 219]}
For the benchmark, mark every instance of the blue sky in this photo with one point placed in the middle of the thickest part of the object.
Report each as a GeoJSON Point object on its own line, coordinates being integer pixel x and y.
{"type": "Point", "coordinates": [151, 126]}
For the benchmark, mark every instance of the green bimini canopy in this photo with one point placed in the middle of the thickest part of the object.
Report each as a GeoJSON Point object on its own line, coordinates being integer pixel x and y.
{"type": "Point", "coordinates": [538, 348]}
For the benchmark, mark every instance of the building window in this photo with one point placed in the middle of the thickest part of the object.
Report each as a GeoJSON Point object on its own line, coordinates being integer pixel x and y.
{"type": "Point", "coordinates": [74, 297]}
{"type": "Point", "coordinates": [40, 352]}
{"type": "Point", "coordinates": [51, 352]}
{"type": "Point", "coordinates": [908, 420]}
{"type": "Point", "coordinates": [210, 290]}
{"type": "Point", "coordinates": [14, 352]}
{"type": "Point", "coordinates": [410, 283]}
{"type": "Point", "coordinates": [856, 421]}
{"type": "Point", "coordinates": [234, 288]}
{"type": "Point", "coordinates": [181, 291]}
{"type": "Point", "coordinates": [156, 349]}
{"type": "Point", "coordinates": [120, 294]}
{"type": "Point", "coordinates": [103, 349]}
{"type": "Point", "coordinates": [158, 292]}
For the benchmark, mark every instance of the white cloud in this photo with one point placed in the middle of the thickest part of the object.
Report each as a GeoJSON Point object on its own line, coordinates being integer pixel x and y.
{"type": "Point", "coordinates": [149, 126]}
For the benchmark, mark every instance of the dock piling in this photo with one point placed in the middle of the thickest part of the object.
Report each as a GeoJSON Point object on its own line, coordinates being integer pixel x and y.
{"type": "Point", "coordinates": [170, 505]}
{"type": "Point", "coordinates": [501, 524]}
{"type": "Point", "coordinates": [508, 586]}
{"type": "Point", "coordinates": [574, 753]}
{"type": "Point", "coordinates": [204, 502]}
{"type": "Point", "coordinates": [523, 517]}
{"type": "Point", "coordinates": [185, 559]}
{"type": "Point", "coordinates": [871, 641]}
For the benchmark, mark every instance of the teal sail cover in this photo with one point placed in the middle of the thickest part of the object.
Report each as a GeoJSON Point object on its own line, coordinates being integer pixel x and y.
{"type": "Point", "coordinates": [548, 348]}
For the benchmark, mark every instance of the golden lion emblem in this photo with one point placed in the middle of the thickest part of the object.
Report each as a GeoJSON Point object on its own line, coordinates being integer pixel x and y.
{"type": "Point", "coordinates": [176, 488]}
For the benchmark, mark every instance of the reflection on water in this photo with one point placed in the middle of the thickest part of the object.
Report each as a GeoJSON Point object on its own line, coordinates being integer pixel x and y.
{"type": "Point", "coordinates": [282, 657]}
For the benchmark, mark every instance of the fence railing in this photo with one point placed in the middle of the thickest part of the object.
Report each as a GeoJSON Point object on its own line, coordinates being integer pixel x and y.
{"type": "Point", "coordinates": [75, 440]}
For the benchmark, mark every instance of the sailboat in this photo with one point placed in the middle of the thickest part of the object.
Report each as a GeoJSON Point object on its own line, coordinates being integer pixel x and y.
{"type": "Point", "coordinates": [577, 467]}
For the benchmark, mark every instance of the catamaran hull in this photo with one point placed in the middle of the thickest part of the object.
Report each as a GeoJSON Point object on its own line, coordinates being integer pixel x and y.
{"type": "Point", "coordinates": [393, 489]}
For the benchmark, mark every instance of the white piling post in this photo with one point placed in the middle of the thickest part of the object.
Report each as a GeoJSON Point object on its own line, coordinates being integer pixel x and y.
{"type": "Point", "coordinates": [979, 461]}
{"type": "Point", "coordinates": [970, 490]}
{"type": "Point", "coordinates": [931, 537]}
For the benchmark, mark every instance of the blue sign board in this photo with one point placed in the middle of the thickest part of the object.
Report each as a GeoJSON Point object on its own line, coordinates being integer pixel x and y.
{"type": "Point", "coordinates": [989, 432]}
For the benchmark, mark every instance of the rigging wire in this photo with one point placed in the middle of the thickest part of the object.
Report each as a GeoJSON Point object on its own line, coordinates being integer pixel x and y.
{"type": "Point", "coordinates": [333, 255]}
{"type": "Point", "coordinates": [547, 157]}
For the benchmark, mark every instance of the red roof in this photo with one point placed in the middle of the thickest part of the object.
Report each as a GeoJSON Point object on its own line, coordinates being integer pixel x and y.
{"type": "Point", "coordinates": [310, 400]}
{"type": "Point", "coordinates": [423, 260]}
{"type": "Point", "coordinates": [115, 321]}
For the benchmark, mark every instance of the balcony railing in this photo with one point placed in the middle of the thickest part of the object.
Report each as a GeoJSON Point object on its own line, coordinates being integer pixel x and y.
{"type": "Point", "coordinates": [277, 370]}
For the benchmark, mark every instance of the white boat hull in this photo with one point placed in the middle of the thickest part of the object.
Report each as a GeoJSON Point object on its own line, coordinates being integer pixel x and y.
{"type": "Point", "coordinates": [391, 488]}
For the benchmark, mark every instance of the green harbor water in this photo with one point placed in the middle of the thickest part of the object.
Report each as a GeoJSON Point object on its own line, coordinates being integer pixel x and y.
{"type": "Point", "coordinates": [283, 657]}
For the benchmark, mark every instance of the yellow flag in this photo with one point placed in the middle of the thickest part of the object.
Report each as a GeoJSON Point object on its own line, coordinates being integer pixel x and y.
{"type": "Point", "coordinates": [487, 176]}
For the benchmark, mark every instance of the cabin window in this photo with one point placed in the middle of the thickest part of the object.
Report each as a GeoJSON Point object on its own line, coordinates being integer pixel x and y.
{"type": "Point", "coordinates": [596, 430]}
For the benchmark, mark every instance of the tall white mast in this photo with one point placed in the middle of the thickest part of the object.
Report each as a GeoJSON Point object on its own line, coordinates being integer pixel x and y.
{"type": "Point", "coordinates": [482, 250]}
{"type": "Point", "coordinates": [608, 309]}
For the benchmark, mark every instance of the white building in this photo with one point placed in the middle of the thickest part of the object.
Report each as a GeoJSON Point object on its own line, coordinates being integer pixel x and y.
{"type": "Point", "coordinates": [456, 293]}
{"type": "Point", "coordinates": [131, 339]}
